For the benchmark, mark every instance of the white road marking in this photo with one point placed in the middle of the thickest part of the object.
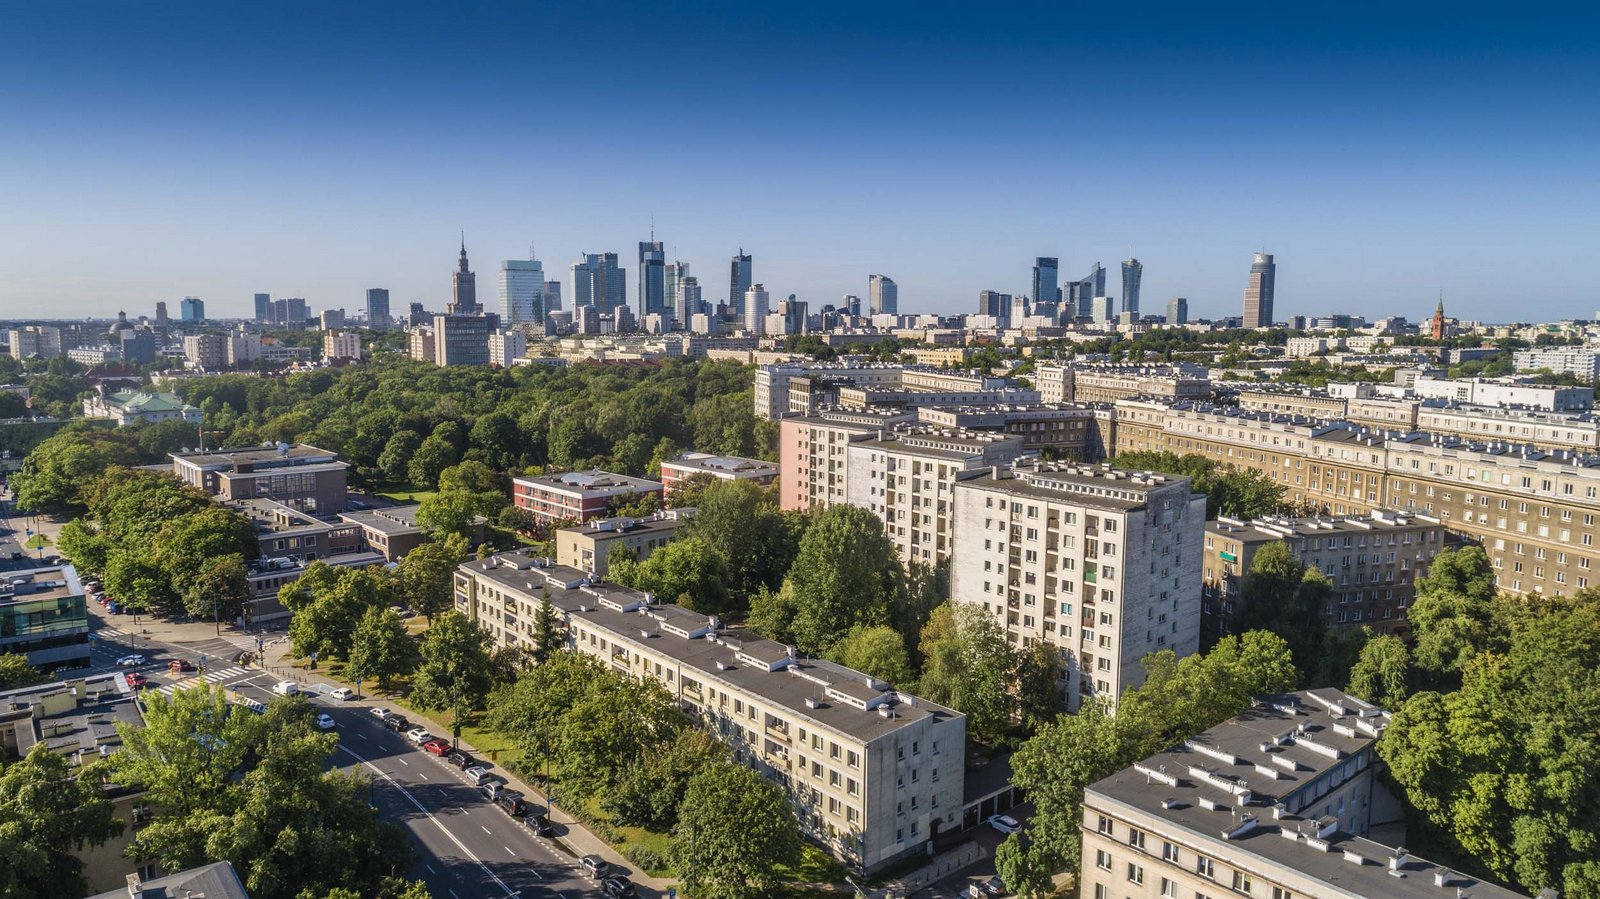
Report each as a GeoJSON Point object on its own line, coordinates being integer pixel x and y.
{"type": "Point", "coordinates": [453, 894]}
{"type": "Point", "coordinates": [423, 809]}
{"type": "Point", "coordinates": [406, 763]}
{"type": "Point", "coordinates": [485, 829]}
{"type": "Point", "coordinates": [508, 850]}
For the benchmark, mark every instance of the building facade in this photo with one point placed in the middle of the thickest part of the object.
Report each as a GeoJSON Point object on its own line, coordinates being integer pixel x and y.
{"type": "Point", "coordinates": [587, 547]}
{"type": "Point", "coordinates": [883, 295]}
{"type": "Point", "coordinates": [1259, 292]}
{"type": "Point", "coordinates": [464, 287]}
{"type": "Point", "coordinates": [521, 292]}
{"type": "Point", "coordinates": [460, 340]}
{"type": "Point", "coordinates": [723, 468]}
{"type": "Point", "coordinates": [378, 318]}
{"type": "Point", "coordinates": [303, 477]}
{"type": "Point", "coordinates": [579, 495]}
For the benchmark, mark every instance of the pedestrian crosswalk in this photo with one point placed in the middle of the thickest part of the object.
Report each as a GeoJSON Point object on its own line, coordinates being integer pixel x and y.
{"type": "Point", "coordinates": [210, 677]}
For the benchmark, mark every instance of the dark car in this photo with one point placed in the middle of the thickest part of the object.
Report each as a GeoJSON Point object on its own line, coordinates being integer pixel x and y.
{"type": "Point", "coordinates": [512, 802]}
{"type": "Point", "coordinates": [539, 823]}
{"type": "Point", "coordinates": [397, 724]}
{"type": "Point", "coordinates": [618, 888]}
{"type": "Point", "coordinates": [460, 759]}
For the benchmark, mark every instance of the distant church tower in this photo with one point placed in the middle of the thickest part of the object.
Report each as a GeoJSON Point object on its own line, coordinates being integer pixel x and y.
{"type": "Point", "coordinates": [1438, 319]}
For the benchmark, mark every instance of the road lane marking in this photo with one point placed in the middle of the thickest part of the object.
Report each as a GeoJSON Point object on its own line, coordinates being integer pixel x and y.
{"type": "Point", "coordinates": [442, 829]}
{"type": "Point", "coordinates": [485, 829]}
{"type": "Point", "coordinates": [508, 850]}
{"type": "Point", "coordinates": [406, 763]}
{"type": "Point", "coordinates": [429, 867]}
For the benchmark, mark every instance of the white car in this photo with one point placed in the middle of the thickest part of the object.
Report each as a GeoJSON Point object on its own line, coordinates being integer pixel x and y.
{"type": "Point", "coordinates": [343, 694]}
{"type": "Point", "coordinates": [130, 661]}
{"type": "Point", "coordinates": [1003, 823]}
{"type": "Point", "coordinates": [286, 688]}
{"type": "Point", "coordinates": [381, 714]}
{"type": "Point", "coordinates": [418, 736]}
{"type": "Point", "coordinates": [477, 775]}
{"type": "Point", "coordinates": [325, 722]}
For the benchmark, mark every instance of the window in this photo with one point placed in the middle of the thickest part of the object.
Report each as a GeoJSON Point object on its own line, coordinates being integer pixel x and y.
{"type": "Point", "coordinates": [1204, 867]}
{"type": "Point", "coordinates": [1281, 893]}
{"type": "Point", "coordinates": [1169, 888]}
{"type": "Point", "coordinates": [1241, 882]}
{"type": "Point", "coordinates": [1104, 826]}
{"type": "Point", "coordinates": [1102, 859]}
{"type": "Point", "coordinates": [1169, 853]}
{"type": "Point", "coordinates": [1100, 891]}
{"type": "Point", "coordinates": [1135, 873]}
{"type": "Point", "coordinates": [1136, 838]}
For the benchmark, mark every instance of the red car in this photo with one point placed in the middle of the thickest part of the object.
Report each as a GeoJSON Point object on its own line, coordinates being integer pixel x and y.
{"type": "Point", "coordinates": [436, 747]}
{"type": "Point", "coordinates": [136, 680]}
{"type": "Point", "coordinates": [178, 666]}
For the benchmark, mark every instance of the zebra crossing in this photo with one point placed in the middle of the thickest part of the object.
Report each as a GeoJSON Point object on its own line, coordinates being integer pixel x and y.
{"type": "Point", "coordinates": [210, 677]}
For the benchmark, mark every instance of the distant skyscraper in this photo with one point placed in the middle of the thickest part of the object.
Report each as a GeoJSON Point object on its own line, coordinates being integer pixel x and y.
{"type": "Point", "coordinates": [675, 273]}
{"type": "Point", "coordinates": [689, 303]}
{"type": "Point", "coordinates": [552, 296]}
{"type": "Point", "coordinates": [1258, 294]}
{"type": "Point", "coordinates": [1103, 310]}
{"type": "Point", "coordinates": [740, 277]}
{"type": "Point", "coordinates": [1177, 311]}
{"type": "Point", "coordinates": [851, 304]}
{"type": "Point", "coordinates": [521, 292]}
{"type": "Point", "coordinates": [1132, 271]}
{"type": "Point", "coordinates": [263, 306]}
{"type": "Point", "coordinates": [378, 309]}
{"type": "Point", "coordinates": [192, 310]}
{"type": "Point", "coordinates": [1080, 294]}
{"type": "Point", "coordinates": [597, 281]}
{"type": "Point", "coordinates": [1018, 312]}
{"type": "Point", "coordinates": [995, 304]}
{"type": "Point", "coordinates": [653, 278]}
{"type": "Point", "coordinates": [1046, 279]}
{"type": "Point", "coordinates": [883, 295]}
{"type": "Point", "coordinates": [755, 309]}
{"type": "Point", "coordinates": [464, 296]}
{"type": "Point", "coordinates": [161, 313]}
{"type": "Point", "coordinates": [419, 316]}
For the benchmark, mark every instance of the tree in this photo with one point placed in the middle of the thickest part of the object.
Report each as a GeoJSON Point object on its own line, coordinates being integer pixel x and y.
{"type": "Point", "coordinates": [530, 711]}
{"type": "Point", "coordinates": [471, 477]}
{"type": "Point", "coordinates": [1285, 597]}
{"type": "Point", "coordinates": [1039, 684]}
{"type": "Point", "coordinates": [395, 460]}
{"type": "Point", "coordinates": [1382, 674]}
{"type": "Point", "coordinates": [690, 492]}
{"type": "Point", "coordinates": [743, 520]}
{"type": "Point", "coordinates": [649, 791]}
{"type": "Point", "coordinates": [190, 745]}
{"type": "Point", "coordinates": [735, 831]}
{"type": "Point", "coordinates": [137, 581]}
{"type": "Point", "coordinates": [688, 571]}
{"type": "Point", "coordinates": [382, 647]}
{"type": "Point", "coordinates": [16, 673]}
{"type": "Point", "coordinates": [47, 813]}
{"type": "Point", "coordinates": [844, 574]}
{"type": "Point", "coordinates": [1453, 615]}
{"type": "Point", "coordinates": [85, 546]}
{"type": "Point", "coordinates": [454, 674]}
{"type": "Point", "coordinates": [498, 438]}
{"type": "Point", "coordinates": [327, 603]}
{"type": "Point", "coordinates": [968, 665]}
{"type": "Point", "coordinates": [56, 470]}
{"type": "Point", "coordinates": [435, 454]}
{"type": "Point", "coordinates": [547, 630]}
{"type": "Point", "coordinates": [219, 589]}
{"type": "Point", "coordinates": [614, 723]}
{"type": "Point", "coordinates": [455, 512]}
{"type": "Point", "coordinates": [427, 574]}
{"type": "Point", "coordinates": [879, 651]}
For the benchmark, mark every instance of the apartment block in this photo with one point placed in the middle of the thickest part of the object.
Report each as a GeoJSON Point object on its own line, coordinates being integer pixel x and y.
{"type": "Point", "coordinates": [587, 547]}
{"type": "Point", "coordinates": [1102, 563]}
{"type": "Point", "coordinates": [1058, 430]}
{"type": "Point", "coordinates": [906, 478]}
{"type": "Point", "coordinates": [207, 352]}
{"type": "Point", "coordinates": [813, 464]}
{"type": "Point", "coordinates": [1507, 393]}
{"type": "Point", "coordinates": [578, 495]}
{"type": "Point", "coordinates": [807, 387]}
{"type": "Point", "coordinates": [1107, 383]}
{"type": "Point", "coordinates": [873, 773]}
{"type": "Point", "coordinates": [44, 616]}
{"type": "Point", "coordinates": [1580, 362]}
{"type": "Point", "coordinates": [304, 477]}
{"type": "Point", "coordinates": [1282, 801]}
{"type": "Point", "coordinates": [1373, 561]}
{"type": "Point", "coordinates": [723, 468]}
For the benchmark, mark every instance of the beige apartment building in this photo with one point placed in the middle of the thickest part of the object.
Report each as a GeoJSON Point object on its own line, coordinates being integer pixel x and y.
{"type": "Point", "coordinates": [1281, 802]}
{"type": "Point", "coordinates": [873, 773]}
{"type": "Point", "coordinates": [1100, 562]}
{"type": "Point", "coordinates": [1106, 383]}
{"type": "Point", "coordinates": [587, 547]}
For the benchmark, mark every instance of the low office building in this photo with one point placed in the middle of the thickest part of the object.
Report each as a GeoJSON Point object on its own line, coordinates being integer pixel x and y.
{"type": "Point", "coordinates": [578, 495]}
{"type": "Point", "coordinates": [44, 616]}
{"type": "Point", "coordinates": [874, 773]}
{"type": "Point", "coordinates": [131, 407]}
{"type": "Point", "coordinates": [393, 530]}
{"type": "Point", "coordinates": [1279, 801]}
{"type": "Point", "coordinates": [723, 468]}
{"type": "Point", "coordinates": [587, 547]}
{"type": "Point", "coordinates": [1102, 563]}
{"type": "Point", "coordinates": [217, 880]}
{"type": "Point", "coordinates": [1374, 562]}
{"type": "Point", "coordinates": [307, 478]}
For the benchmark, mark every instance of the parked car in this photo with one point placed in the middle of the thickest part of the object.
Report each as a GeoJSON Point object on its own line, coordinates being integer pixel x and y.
{"type": "Point", "coordinates": [112, 607]}
{"type": "Point", "coordinates": [136, 680]}
{"type": "Point", "coordinates": [618, 888]}
{"type": "Point", "coordinates": [436, 747]}
{"type": "Point", "coordinates": [539, 823]}
{"type": "Point", "coordinates": [418, 736]}
{"type": "Point", "coordinates": [286, 688]}
{"type": "Point", "coordinates": [994, 886]}
{"type": "Point", "coordinates": [594, 865]}
{"type": "Point", "coordinates": [343, 694]}
{"type": "Point", "coordinates": [512, 802]}
{"type": "Point", "coordinates": [178, 666]}
{"type": "Point", "coordinates": [130, 661]}
{"type": "Point", "coordinates": [325, 721]}
{"type": "Point", "coordinates": [381, 714]}
{"type": "Point", "coordinates": [460, 759]}
{"type": "Point", "coordinates": [397, 723]}
{"type": "Point", "coordinates": [491, 789]}
{"type": "Point", "coordinates": [477, 775]}
{"type": "Point", "coordinates": [1003, 823]}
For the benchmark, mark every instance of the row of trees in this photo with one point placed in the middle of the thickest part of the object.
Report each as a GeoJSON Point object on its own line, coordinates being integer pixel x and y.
{"type": "Point", "coordinates": [602, 734]}
{"type": "Point", "coordinates": [1240, 493]}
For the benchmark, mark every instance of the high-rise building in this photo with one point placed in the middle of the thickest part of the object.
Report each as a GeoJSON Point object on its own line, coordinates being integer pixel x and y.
{"type": "Point", "coordinates": [288, 313]}
{"type": "Point", "coordinates": [341, 345]}
{"type": "Point", "coordinates": [741, 276]}
{"type": "Point", "coordinates": [597, 281]}
{"type": "Point", "coordinates": [675, 273]}
{"type": "Point", "coordinates": [1080, 294]}
{"type": "Point", "coordinates": [378, 309]}
{"type": "Point", "coordinates": [851, 304]}
{"type": "Point", "coordinates": [461, 339]}
{"type": "Point", "coordinates": [418, 316]}
{"type": "Point", "coordinates": [161, 313]}
{"type": "Point", "coordinates": [1258, 293]}
{"type": "Point", "coordinates": [552, 296]}
{"type": "Point", "coordinates": [263, 307]}
{"type": "Point", "coordinates": [464, 284]}
{"type": "Point", "coordinates": [1132, 271]}
{"type": "Point", "coordinates": [521, 291]}
{"type": "Point", "coordinates": [653, 279]}
{"type": "Point", "coordinates": [1046, 279]}
{"type": "Point", "coordinates": [332, 319]}
{"type": "Point", "coordinates": [1102, 310]}
{"type": "Point", "coordinates": [192, 310]}
{"type": "Point", "coordinates": [1018, 312]}
{"type": "Point", "coordinates": [996, 305]}
{"type": "Point", "coordinates": [883, 295]}
{"type": "Point", "coordinates": [755, 309]}
{"type": "Point", "coordinates": [1177, 311]}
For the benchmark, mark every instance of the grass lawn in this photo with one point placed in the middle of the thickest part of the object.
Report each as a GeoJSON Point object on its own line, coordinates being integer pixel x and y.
{"type": "Point", "coordinates": [659, 843]}
{"type": "Point", "coordinates": [37, 541]}
{"type": "Point", "coordinates": [406, 496]}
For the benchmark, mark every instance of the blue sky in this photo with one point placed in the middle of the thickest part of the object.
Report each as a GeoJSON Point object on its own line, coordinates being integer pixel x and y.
{"type": "Point", "coordinates": [150, 151]}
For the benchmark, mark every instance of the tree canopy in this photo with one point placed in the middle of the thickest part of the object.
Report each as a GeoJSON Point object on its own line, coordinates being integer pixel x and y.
{"type": "Point", "coordinates": [1241, 493]}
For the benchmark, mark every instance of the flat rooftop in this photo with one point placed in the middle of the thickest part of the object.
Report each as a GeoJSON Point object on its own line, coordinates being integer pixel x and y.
{"type": "Point", "coordinates": [217, 880]}
{"type": "Point", "coordinates": [37, 582]}
{"type": "Point", "coordinates": [1098, 486]}
{"type": "Point", "coordinates": [733, 465]}
{"type": "Point", "coordinates": [391, 520]}
{"type": "Point", "coordinates": [76, 717]}
{"type": "Point", "coordinates": [592, 482]}
{"type": "Point", "coordinates": [602, 528]}
{"type": "Point", "coordinates": [247, 455]}
{"type": "Point", "coordinates": [1276, 528]}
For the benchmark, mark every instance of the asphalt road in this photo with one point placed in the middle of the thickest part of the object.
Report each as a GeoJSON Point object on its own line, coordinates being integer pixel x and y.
{"type": "Point", "coordinates": [467, 846]}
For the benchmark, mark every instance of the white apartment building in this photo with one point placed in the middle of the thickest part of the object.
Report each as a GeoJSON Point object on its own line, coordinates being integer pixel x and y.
{"type": "Point", "coordinates": [873, 773]}
{"type": "Point", "coordinates": [505, 347]}
{"type": "Point", "coordinates": [1103, 563]}
{"type": "Point", "coordinates": [1486, 392]}
{"type": "Point", "coordinates": [813, 464]}
{"type": "Point", "coordinates": [341, 345]}
{"type": "Point", "coordinates": [1581, 362]}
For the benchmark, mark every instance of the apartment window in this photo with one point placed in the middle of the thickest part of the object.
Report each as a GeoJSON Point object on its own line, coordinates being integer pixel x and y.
{"type": "Point", "coordinates": [1241, 882]}
{"type": "Point", "coordinates": [1169, 852]}
{"type": "Point", "coordinates": [1136, 838]}
{"type": "Point", "coordinates": [1169, 888]}
{"type": "Point", "coordinates": [1102, 859]}
{"type": "Point", "coordinates": [1135, 873]}
{"type": "Point", "coordinates": [1281, 893]}
{"type": "Point", "coordinates": [1100, 891]}
{"type": "Point", "coordinates": [1205, 867]}
{"type": "Point", "coordinates": [1104, 826]}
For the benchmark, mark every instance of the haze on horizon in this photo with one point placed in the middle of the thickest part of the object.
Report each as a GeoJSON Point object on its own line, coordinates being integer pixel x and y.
{"type": "Point", "coordinates": [153, 152]}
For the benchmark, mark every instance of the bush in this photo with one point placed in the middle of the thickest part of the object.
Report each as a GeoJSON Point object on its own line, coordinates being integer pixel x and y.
{"type": "Point", "coordinates": [646, 859]}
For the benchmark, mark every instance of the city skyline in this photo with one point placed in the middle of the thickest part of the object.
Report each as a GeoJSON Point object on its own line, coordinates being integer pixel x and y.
{"type": "Point", "coordinates": [1380, 167]}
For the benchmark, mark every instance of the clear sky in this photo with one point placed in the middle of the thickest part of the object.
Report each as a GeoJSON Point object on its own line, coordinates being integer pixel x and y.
{"type": "Point", "coordinates": [154, 150]}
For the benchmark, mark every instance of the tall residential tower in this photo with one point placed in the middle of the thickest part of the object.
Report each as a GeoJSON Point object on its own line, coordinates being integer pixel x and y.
{"type": "Point", "coordinates": [1258, 293]}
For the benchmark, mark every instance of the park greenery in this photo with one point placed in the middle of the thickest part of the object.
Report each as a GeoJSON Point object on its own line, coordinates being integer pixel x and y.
{"type": "Point", "coordinates": [48, 811]}
{"type": "Point", "coordinates": [1229, 490]}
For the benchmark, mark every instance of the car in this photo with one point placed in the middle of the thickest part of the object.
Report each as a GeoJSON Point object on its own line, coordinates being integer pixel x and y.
{"type": "Point", "coordinates": [594, 865]}
{"type": "Point", "coordinates": [539, 823]}
{"type": "Point", "coordinates": [512, 802]}
{"type": "Point", "coordinates": [491, 789]}
{"type": "Point", "coordinates": [397, 723]}
{"type": "Point", "coordinates": [112, 607]}
{"type": "Point", "coordinates": [994, 886]}
{"type": "Point", "coordinates": [178, 666]}
{"type": "Point", "coordinates": [418, 736]}
{"type": "Point", "coordinates": [477, 775]}
{"type": "Point", "coordinates": [130, 661]}
{"type": "Point", "coordinates": [460, 759]}
{"type": "Point", "coordinates": [325, 721]}
{"type": "Point", "coordinates": [286, 688]}
{"type": "Point", "coordinates": [381, 714]}
{"type": "Point", "coordinates": [343, 694]}
{"type": "Point", "coordinates": [618, 888]}
{"type": "Point", "coordinates": [436, 747]}
{"type": "Point", "coordinates": [136, 680]}
{"type": "Point", "coordinates": [402, 611]}
{"type": "Point", "coordinates": [1003, 823]}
